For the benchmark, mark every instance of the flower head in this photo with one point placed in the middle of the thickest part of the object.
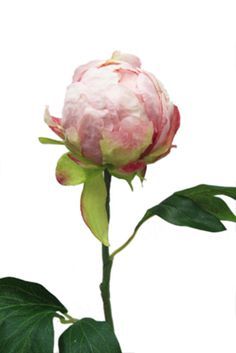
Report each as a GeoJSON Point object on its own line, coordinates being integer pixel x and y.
{"type": "Point", "coordinates": [116, 116]}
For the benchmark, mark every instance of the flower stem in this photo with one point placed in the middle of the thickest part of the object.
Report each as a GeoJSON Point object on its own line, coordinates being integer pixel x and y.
{"type": "Point", "coordinates": [107, 262]}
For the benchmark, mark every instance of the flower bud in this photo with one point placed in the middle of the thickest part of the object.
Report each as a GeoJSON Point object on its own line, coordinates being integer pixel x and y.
{"type": "Point", "coordinates": [117, 116]}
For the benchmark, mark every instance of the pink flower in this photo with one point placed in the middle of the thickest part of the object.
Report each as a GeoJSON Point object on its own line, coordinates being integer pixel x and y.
{"type": "Point", "coordinates": [116, 115]}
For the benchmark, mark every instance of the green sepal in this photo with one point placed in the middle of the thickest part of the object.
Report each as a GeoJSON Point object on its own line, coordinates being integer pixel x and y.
{"type": "Point", "coordinates": [48, 141]}
{"type": "Point", "coordinates": [128, 177]}
{"type": "Point", "coordinates": [26, 313]}
{"type": "Point", "coordinates": [88, 336]}
{"type": "Point", "coordinates": [125, 176]}
{"type": "Point", "coordinates": [68, 172]}
{"type": "Point", "coordinates": [93, 207]}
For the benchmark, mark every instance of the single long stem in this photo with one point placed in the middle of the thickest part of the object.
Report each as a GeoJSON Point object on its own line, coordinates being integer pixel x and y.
{"type": "Point", "coordinates": [107, 262]}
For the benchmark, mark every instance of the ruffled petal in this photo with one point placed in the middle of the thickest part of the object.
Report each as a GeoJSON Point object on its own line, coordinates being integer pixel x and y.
{"type": "Point", "coordinates": [131, 133]}
{"type": "Point", "coordinates": [154, 100]}
{"type": "Point", "coordinates": [129, 58]}
{"type": "Point", "coordinates": [80, 71]}
{"type": "Point", "coordinates": [163, 146]}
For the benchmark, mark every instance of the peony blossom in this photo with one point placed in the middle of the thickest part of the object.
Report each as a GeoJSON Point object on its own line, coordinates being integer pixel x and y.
{"type": "Point", "coordinates": [116, 116]}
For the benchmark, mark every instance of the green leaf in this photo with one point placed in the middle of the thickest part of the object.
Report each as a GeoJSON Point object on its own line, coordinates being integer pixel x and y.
{"type": "Point", "coordinates": [89, 336]}
{"type": "Point", "coordinates": [204, 189]}
{"type": "Point", "coordinates": [93, 207]}
{"type": "Point", "coordinates": [205, 197]}
{"type": "Point", "coordinates": [26, 313]}
{"type": "Point", "coordinates": [215, 206]}
{"type": "Point", "coordinates": [182, 211]}
{"type": "Point", "coordinates": [69, 172]}
{"type": "Point", "coordinates": [196, 207]}
{"type": "Point", "coordinates": [48, 141]}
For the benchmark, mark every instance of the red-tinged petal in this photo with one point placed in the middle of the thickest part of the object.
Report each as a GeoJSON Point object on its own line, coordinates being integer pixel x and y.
{"type": "Point", "coordinates": [175, 124]}
{"type": "Point", "coordinates": [133, 167]}
{"type": "Point", "coordinates": [54, 123]}
{"type": "Point", "coordinates": [164, 143]}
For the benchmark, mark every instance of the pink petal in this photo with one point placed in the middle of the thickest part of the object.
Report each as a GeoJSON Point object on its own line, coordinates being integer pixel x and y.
{"type": "Point", "coordinates": [54, 123]}
{"type": "Point", "coordinates": [152, 100]}
{"type": "Point", "coordinates": [164, 144]}
{"type": "Point", "coordinates": [128, 78]}
{"type": "Point", "coordinates": [80, 71]}
{"type": "Point", "coordinates": [129, 58]}
{"type": "Point", "coordinates": [175, 124]}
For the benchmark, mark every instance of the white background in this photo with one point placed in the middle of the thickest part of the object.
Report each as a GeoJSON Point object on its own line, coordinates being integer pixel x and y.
{"type": "Point", "coordinates": [173, 289]}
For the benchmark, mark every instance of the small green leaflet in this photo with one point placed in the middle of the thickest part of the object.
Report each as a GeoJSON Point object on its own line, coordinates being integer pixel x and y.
{"type": "Point", "coordinates": [197, 207]}
{"type": "Point", "coordinates": [89, 336]}
{"type": "Point", "coordinates": [48, 141]}
{"type": "Point", "coordinates": [26, 313]}
{"type": "Point", "coordinates": [69, 172]}
{"type": "Point", "coordinates": [93, 207]}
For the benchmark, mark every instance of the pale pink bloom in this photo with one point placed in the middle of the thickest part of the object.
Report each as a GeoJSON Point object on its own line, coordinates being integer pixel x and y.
{"type": "Point", "coordinates": [116, 115]}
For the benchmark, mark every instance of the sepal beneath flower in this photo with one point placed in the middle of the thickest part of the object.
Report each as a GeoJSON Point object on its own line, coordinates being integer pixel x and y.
{"type": "Point", "coordinates": [130, 171]}
{"type": "Point", "coordinates": [48, 141]}
{"type": "Point", "coordinates": [93, 207]}
{"type": "Point", "coordinates": [121, 175]}
{"type": "Point", "coordinates": [141, 174]}
{"type": "Point", "coordinates": [68, 172]}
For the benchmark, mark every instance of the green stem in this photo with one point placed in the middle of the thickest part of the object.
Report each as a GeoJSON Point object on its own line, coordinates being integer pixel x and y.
{"type": "Point", "coordinates": [107, 262]}
{"type": "Point", "coordinates": [68, 320]}
{"type": "Point", "coordinates": [122, 247]}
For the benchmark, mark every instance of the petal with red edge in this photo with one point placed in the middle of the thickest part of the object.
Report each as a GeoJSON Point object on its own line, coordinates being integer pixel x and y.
{"type": "Point", "coordinates": [133, 167]}
{"type": "Point", "coordinates": [53, 123]}
{"type": "Point", "coordinates": [161, 150]}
